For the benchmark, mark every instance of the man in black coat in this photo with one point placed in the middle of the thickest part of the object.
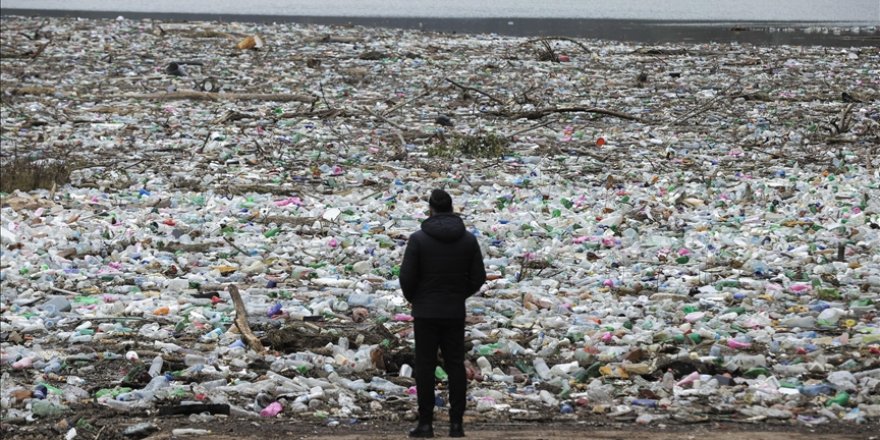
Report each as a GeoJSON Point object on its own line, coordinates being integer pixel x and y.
{"type": "Point", "coordinates": [441, 268]}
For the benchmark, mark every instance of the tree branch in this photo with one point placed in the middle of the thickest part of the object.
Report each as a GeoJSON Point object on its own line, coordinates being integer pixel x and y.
{"type": "Point", "coordinates": [476, 90]}
{"type": "Point", "coordinates": [540, 113]}
{"type": "Point", "coordinates": [241, 321]}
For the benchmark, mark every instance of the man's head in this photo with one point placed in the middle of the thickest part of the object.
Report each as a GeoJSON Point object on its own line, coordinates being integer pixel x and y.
{"type": "Point", "coordinates": [440, 202]}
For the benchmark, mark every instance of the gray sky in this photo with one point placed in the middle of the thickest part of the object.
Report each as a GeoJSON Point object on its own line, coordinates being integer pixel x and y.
{"type": "Point", "coordinates": [775, 10]}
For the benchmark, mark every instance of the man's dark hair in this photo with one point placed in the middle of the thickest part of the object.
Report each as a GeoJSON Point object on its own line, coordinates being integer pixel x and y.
{"type": "Point", "coordinates": [440, 201]}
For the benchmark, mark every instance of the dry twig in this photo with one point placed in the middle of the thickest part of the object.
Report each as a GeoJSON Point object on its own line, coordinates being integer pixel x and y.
{"type": "Point", "coordinates": [570, 40]}
{"type": "Point", "coordinates": [540, 113]}
{"type": "Point", "coordinates": [40, 49]}
{"type": "Point", "coordinates": [241, 321]}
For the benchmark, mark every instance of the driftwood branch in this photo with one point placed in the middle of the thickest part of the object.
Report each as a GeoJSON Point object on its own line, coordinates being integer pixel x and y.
{"type": "Point", "coordinates": [284, 219]}
{"type": "Point", "coordinates": [213, 96]}
{"type": "Point", "coordinates": [322, 114]}
{"type": "Point", "coordinates": [533, 127]}
{"type": "Point", "coordinates": [234, 246]}
{"type": "Point", "coordinates": [705, 106]}
{"type": "Point", "coordinates": [335, 39]}
{"type": "Point", "coordinates": [28, 90]}
{"type": "Point", "coordinates": [66, 292]}
{"type": "Point", "coordinates": [383, 118]}
{"type": "Point", "coordinates": [241, 321]}
{"type": "Point", "coordinates": [401, 151]}
{"type": "Point", "coordinates": [408, 101]}
{"type": "Point", "coordinates": [40, 49]}
{"type": "Point", "coordinates": [476, 90]}
{"type": "Point", "coordinates": [842, 124]}
{"type": "Point", "coordinates": [277, 190]}
{"type": "Point", "coordinates": [540, 113]}
{"type": "Point", "coordinates": [570, 40]}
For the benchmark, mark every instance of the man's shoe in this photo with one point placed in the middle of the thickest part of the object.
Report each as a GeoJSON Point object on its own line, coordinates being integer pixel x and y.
{"type": "Point", "coordinates": [456, 430]}
{"type": "Point", "coordinates": [422, 431]}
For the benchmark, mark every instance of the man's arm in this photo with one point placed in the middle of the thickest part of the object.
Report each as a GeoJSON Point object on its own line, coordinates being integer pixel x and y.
{"type": "Point", "coordinates": [409, 269]}
{"type": "Point", "coordinates": [477, 275]}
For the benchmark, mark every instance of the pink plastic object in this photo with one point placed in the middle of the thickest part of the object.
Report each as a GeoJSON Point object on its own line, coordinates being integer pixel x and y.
{"type": "Point", "coordinates": [800, 288]}
{"type": "Point", "coordinates": [733, 343]}
{"type": "Point", "coordinates": [272, 410]}
{"type": "Point", "coordinates": [403, 317]}
{"type": "Point", "coordinates": [289, 201]}
{"type": "Point", "coordinates": [690, 378]}
{"type": "Point", "coordinates": [23, 363]}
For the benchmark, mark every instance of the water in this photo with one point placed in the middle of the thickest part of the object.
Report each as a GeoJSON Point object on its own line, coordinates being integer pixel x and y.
{"type": "Point", "coordinates": [735, 10]}
{"type": "Point", "coordinates": [761, 22]}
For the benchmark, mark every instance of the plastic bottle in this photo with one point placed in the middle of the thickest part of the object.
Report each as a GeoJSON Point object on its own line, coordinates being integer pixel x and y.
{"type": "Point", "coordinates": [192, 359]}
{"type": "Point", "coordinates": [406, 370]}
{"type": "Point", "coordinates": [379, 384]}
{"type": "Point", "coordinates": [743, 361]}
{"type": "Point", "coordinates": [157, 383]}
{"type": "Point", "coordinates": [842, 380]}
{"type": "Point", "coordinates": [548, 398]}
{"type": "Point", "coordinates": [755, 372]}
{"type": "Point", "coordinates": [156, 366]}
{"type": "Point", "coordinates": [46, 408]}
{"type": "Point", "coordinates": [488, 349]}
{"type": "Point", "coordinates": [804, 322]}
{"type": "Point", "coordinates": [53, 366]}
{"type": "Point", "coordinates": [842, 399]}
{"type": "Point", "coordinates": [647, 403]}
{"type": "Point", "coordinates": [40, 392]}
{"type": "Point", "coordinates": [668, 381]}
{"type": "Point", "coordinates": [440, 374]}
{"type": "Point", "coordinates": [541, 368]}
{"type": "Point", "coordinates": [830, 316]}
{"type": "Point", "coordinates": [484, 365]}
{"type": "Point", "coordinates": [815, 390]}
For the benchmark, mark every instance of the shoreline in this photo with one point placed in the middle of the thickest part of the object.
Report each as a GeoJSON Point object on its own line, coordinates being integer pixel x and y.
{"type": "Point", "coordinates": [774, 33]}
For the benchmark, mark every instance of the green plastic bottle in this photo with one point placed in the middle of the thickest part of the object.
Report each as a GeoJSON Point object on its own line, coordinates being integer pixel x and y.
{"type": "Point", "coordinates": [842, 399]}
{"type": "Point", "coordinates": [440, 374]}
{"type": "Point", "coordinates": [755, 372]}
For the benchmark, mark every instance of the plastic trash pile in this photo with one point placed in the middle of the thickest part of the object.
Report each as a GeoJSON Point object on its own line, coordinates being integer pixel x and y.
{"type": "Point", "coordinates": [715, 259]}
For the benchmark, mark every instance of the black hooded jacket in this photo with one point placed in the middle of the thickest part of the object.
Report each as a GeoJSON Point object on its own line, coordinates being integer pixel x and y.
{"type": "Point", "coordinates": [441, 268]}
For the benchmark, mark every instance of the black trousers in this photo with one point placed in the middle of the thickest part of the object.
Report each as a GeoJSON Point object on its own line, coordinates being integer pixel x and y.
{"type": "Point", "coordinates": [448, 336]}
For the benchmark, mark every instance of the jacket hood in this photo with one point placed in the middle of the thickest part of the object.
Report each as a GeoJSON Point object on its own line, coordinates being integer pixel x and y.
{"type": "Point", "coordinates": [446, 227]}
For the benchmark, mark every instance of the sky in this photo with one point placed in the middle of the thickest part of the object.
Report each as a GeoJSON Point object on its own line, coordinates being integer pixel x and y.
{"type": "Point", "coordinates": [857, 11]}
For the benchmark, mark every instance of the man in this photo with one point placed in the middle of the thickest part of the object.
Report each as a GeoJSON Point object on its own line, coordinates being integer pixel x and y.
{"type": "Point", "coordinates": [441, 268]}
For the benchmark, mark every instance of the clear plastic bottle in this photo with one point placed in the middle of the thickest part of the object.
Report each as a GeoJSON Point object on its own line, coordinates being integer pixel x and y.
{"type": "Point", "coordinates": [47, 408]}
{"type": "Point", "coordinates": [541, 368]}
{"type": "Point", "coordinates": [744, 362]}
{"type": "Point", "coordinates": [830, 316]}
{"type": "Point", "coordinates": [484, 365]}
{"type": "Point", "coordinates": [406, 370]}
{"type": "Point", "coordinates": [156, 366]}
{"type": "Point", "coordinates": [192, 359]}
